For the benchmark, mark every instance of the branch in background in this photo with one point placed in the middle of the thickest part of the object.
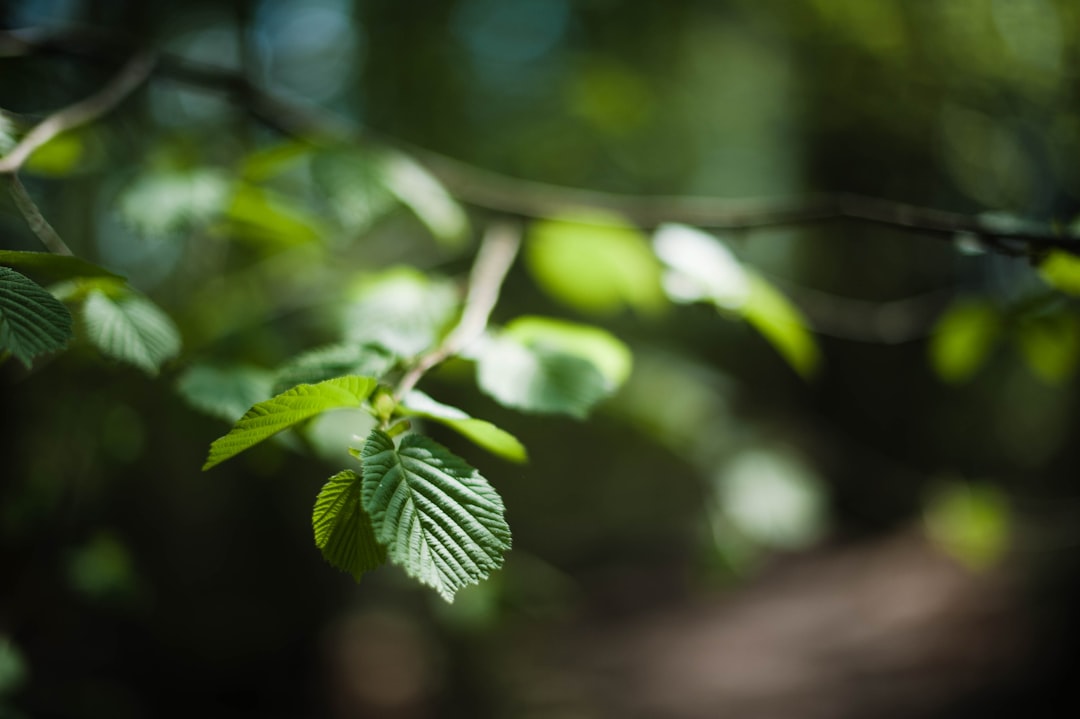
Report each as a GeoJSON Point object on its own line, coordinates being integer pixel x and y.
{"type": "Point", "coordinates": [509, 195]}
{"type": "Point", "coordinates": [37, 222]}
{"type": "Point", "coordinates": [496, 255]}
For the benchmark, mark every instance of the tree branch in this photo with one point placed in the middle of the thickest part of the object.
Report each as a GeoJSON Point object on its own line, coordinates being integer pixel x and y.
{"type": "Point", "coordinates": [37, 222]}
{"type": "Point", "coordinates": [497, 252]}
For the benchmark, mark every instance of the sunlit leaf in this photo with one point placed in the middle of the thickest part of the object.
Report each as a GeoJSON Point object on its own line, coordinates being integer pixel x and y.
{"type": "Point", "coordinates": [438, 518]}
{"type": "Point", "coordinates": [59, 156]}
{"type": "Point", "coordinates": [343, 529]}
{"type": "Point", "coordinates": [264, 216]}
{"type": "Point", "coordinates": [963, 337]}
{"type": "Point", "coordinates": [539, 379]}
{"type": "Point", "coordinates": [225, 392]}
{"type": "Point", "coordinates": [700, 268]}
{"type": "Point", "coordinates": [273, 160]}
{"type": "Point", "coordinates": [595, 264]}
{"type": "Point", "coordinates": [331, 361]}
{"type": "Point", "coordinates": [163, 203]}
{"type": "Point", "coordinates": [1061, 270]}
{"type": "Point", "coordinates": [1051, 346]}
{"type": "Point", "coordinates": [485, 434]}
{"type": "Point", "coordinates": [51, 267]}
{"type": "Point", "coordinates": [32, 321]}
{"type": "Point", "coordinates": [418, 190]}
{"type": "Point", "coordinates": [972, 522]}
{"type": "Point", "coordinates": [130, 328]}
{"type": "Point", "coordinates": [610, 355]}
{"type": "Point", "coordinates": [278, 413]}
{"type": "Point", "coordinates": [402, 310]}
{"type": "Point", "coordinates": [782, 324]}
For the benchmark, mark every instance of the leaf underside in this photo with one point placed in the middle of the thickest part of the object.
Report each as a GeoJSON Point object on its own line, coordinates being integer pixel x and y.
{"type": "Point", "coordinates": [343, 530]}
{"type": "Point", "coordinates": [32, 321]}
{"type": "Point", "coordinates": [439, 519]}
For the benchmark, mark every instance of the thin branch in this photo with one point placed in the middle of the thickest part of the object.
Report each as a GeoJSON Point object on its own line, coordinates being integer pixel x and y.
{"type": "Point", "coordinates": [523, 198]}
{"type": "Point", "coordinates": [497, 252]}
{"type": "Point", "coordinates": [37, 222]}
{"type": "Point", "coordinates": [133, 74]}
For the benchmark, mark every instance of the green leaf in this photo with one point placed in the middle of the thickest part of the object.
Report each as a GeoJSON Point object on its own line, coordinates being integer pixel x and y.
{"type": "Point", "coordinates": [59, 156]}
{"type": "Point", "coordinates": [700, 268]}
{"type": "Point", "coordinates": [418, 190]}
{"type": "Point", "coordinates": [353, 184]}
{"type": "Point", "coordinates": [400, 309]}
{"type": "Point", "coordinates": [610, 355]}
{"type": "Point", "coordinates": [539, 379]}
{"type": "Point", "coordinates": [343, 530]}
{"type": "Point", "coordinates": [271, 161]}
{"type": "Point", "coordinates": [277, 414]}
{"type": "Point", "coordinates": [782, 324]}
{"type": "Point", "coordinates": [438, 518]}
{"type": "Point", "coordinates": [1061, 270]}
{"type": "Point", "coordinates": [225, 392]}
{"type": "Point", "coordinates": [1051, 346]}
{"type": "Point", "coordinates": [972, 522]}
{"type": "Point", "coordinates": [32, 321]}
{"type": "Point", "coordinates": [962, 339]}
{"type": "Point", "coordinates": [132, 329]}
{"type": "Point", "coordinates": [163, 203]}
{"type": "Point", "coordinates": [596, 264]}
{"type": "Point", "coordinates": [485, 434]}
{"type": "Point", "coordinates": [13, 671]}
{"type": "Point", "coordinates": [331, 361]}
{"type": "Point", "coordinates": [53, 268]}
{"type": "Point", "coordinates": [265, 216]}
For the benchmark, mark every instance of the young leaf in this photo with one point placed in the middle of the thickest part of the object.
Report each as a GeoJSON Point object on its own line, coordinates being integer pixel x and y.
{"type": "Point", "coordinates": [539, 379]}
{"type": "Point", "coordinates": [485, 434]}
{"type": "Point", "coordinates": [963, 337]}
{"type": "Point", "coordinates": [782, 324]}
{"type": "Point", "coordinates": [32, 321]}
{"type": "Point", "coordinates": [277, 414]}
{"type": "Point", "coordinates": [224, 392]}
{"type": "Point", "coordinates": [603, 349]}
{"type": "Point", "coordinates": [343, 529]}
{"type": "Point", "coordinates": [329, 361]}
{"type": "Point", "coordinates": [53, 268]}
{"type": "Point", "coordinates": [438, 518]}
{"type": "Point", "coordinates": [130, 328]}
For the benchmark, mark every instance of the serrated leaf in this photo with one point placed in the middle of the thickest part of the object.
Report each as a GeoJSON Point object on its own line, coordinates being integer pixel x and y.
{"type": "Point", "coordinates": [225, 392]}
{"type": "Point", "coordinates": [596, 264]}
{"type": "Point", "coordinates": [962, 339]}
{"type": "Point", "coordinates": [1051, 346]}
{"type": "Point", "coordinates": [610, 355]}
{"type": "Point", "coordinates": [400, 309]}
{"type": "Point", "coordinates": [438, 518]}
{"type": "Point", "coordinates": [539, 379]}
{"type": "Point", "coordinates": [481, 432]}
{"type": "Point", "coordinates": [418, 190]}
{"type": "Point", "coordinates": [53, 268]}
{"type": "Point", "coordinates": [1061, 270]}
{"type": "Point", "coordinates": [279, 413]}
{"type": "Point", "coordinates": [343, 530]}
{"type": "Point", "coordinates": [131, 329]}
{"type": "Point", "coordinates": [32, 321]}
{"type": "Point", "coordinates": [782, 324]}
{"type": "Point", "coordinates": [330, 361]}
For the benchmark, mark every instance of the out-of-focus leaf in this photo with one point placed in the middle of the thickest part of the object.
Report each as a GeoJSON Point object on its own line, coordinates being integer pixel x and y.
{"type": "Point", "coordinates": [102, 568]}
{"type": "Point", "coordinates": [418, 190]}
{"type": "Point", "coordinates": [782, 324]}
{"type": "Point", "coordinates": [354, 184]}
{"type": "Point", "coordinates": [263, 216]}
{"type": "Point", "coordinates": [32, 321]}
{"type": "Point", "coordinates": [278, 413]}
{"type": "Point", "coordinates": [597, 265]}
{"type": "Point", "coordinates": [610, 355]}
{"type": "Point", "coordinates": [271, 161]}
{"type": "Point", "coordinates": [343, 530]}
{"type": "Point", "coordinates": [53, 268]}
{"type": "Point", "coordinates": [700, 268]}
{"type": "Point", "coordinates": [485, 434]}
{"type": "Point", "coordinates": [963, 337]}
{"type": "Point", "coordinates": [225, 392]}
{"type": "Point", "coordinates": [59, 156]}
{"type": "Point", "coordinates": [8, 133]}
{"type": "Point", "coordinates": [971, 522]}
{"type": "Point", "coordinates": [13, 671]}
{"type": "Point", "coordinates": [539, 379]}
{"type": "Point", "coordinates": [131, 328]}
{"type": "Point", "coordinates": [330, 361]}
{"type": "Point", "coordinates": [1061, 271]}
{"type": "Point", "coordinates": [163, 203]}
{"type": "Point", "coordinates": [1051, 346]}
{"type": "Point", "coordinates": [438, 518]}
{"type": "Point", "coordinates": [400, 309]}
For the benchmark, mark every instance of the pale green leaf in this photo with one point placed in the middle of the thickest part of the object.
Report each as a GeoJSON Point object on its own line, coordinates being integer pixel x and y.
{"type": "Point", "coordinates": [963, 337]}
{"type": "Point", "coordinates": [331, 361]}
{"type": "Point", "coordinates": [418, 190]}
{"type": "Point", "coordinates": [225, 392]}
{"type": "Point", "coordinates": [539, 379]}
{"type": "Point", "coordinates": [971, 522]}
{"type": "Point", "coordinates": [59, 156]}
{"type": "Point", "coordinates": [273, 160]}
{"type": "Point", "coordinates": [700, 268]}
{"type": "Point", "coordinates": [400, 309]}
{"type": "Point", "coordinates": [51, 267]}
{"type": "Point", "coordinates": [130, 328]}
{"type": "Point", "coordinates": [162, 203]}
{"type": "Point", "coordinates": [610, 355]}
{"type": "Point", "coordinates": [279, 413]}
{"type": "Point", "coordinates": [1061, 270]}
{"type": "Point", "coordinates": [485, 434]}
{"type": "Point", "coordinates": [596, 264]}
{"type": "Point", "coordinates": [264, 216]}
{"type": "Point", "coordinates": [32, 321]}
{"type": "Point", "coordinates": [343, 530]}
{"type": "Point", "coordinates": [782, 324]}
{"type": "Point", "coordinates": [354, 186]}
{"type": "Point", "coordinates": [438, 518]}
{"type": "Point", "coordinates": [1051, 346]}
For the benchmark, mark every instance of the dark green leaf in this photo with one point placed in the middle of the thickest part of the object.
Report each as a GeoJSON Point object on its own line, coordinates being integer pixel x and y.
{"type": "Point", "coordinates": [53, 268]}
{"type": "Point", "coordinates": [131, 328]}
{"type": "Point", "coordinates": [343, 529]}
{"type": "Point", "coordinates": [32, 321]}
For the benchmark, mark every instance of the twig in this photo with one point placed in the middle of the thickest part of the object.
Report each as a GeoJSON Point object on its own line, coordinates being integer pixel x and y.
{"type": "Point", "coordinates": [497, 252]}
{"type": "Point", "coordinates": [37, 222]}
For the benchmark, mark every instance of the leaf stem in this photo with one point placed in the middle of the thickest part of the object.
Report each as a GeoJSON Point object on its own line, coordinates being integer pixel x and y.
{"type": "Point", "coordinates": [497, 253]}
